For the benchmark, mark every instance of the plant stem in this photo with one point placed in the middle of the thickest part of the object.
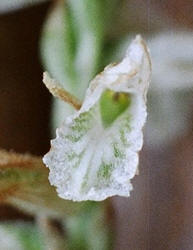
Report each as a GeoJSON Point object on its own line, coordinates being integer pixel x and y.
{"type": "Point", "coordinates": [57, 91]}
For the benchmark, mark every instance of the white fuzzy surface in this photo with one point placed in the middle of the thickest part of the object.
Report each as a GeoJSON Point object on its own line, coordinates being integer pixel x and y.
{"type": "Point", "coordinates": [77, 155]}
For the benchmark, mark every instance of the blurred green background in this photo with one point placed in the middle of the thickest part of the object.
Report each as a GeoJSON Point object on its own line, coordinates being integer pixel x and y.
{"type": "Point", "coordinates": [74, 40]}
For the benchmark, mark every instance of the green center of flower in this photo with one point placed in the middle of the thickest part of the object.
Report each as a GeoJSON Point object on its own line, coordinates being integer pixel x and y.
{"type": "Point", "coordinates": [112, 105]}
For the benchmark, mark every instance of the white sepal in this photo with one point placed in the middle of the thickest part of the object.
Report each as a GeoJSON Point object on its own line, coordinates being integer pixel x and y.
{"type": "Point", "coordinates": [92, 158]}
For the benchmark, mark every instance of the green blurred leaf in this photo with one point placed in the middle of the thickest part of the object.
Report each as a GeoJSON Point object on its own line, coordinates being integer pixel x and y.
{"type": "Point", "coordinates": [24, 183]}
{"type": "Point", "coordinates": [71, 43]}
{"type": "Point", "coordinates": [72, 46]}
{"type": "Point", "coordinates": [20, 236]}
{"type": "Point", "coordinates": [89, 230]}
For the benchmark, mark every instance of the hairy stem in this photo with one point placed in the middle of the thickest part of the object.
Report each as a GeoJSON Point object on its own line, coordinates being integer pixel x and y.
{"type": "Point", "coordinates": [57, 91]}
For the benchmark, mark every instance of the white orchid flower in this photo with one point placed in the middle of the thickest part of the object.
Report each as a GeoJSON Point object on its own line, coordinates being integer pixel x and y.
{"type": "Point", "coordinates": [171, 92]}
{"type": "Point", "coordinates": [95, 153]}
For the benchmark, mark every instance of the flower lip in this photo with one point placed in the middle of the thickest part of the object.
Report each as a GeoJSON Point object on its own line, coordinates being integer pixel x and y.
{"type": "Point", "coordinates": [95, 153]}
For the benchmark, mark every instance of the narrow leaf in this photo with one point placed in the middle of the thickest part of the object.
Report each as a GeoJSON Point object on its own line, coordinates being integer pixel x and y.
{"type": "Point", "coordinates": [24, 183]}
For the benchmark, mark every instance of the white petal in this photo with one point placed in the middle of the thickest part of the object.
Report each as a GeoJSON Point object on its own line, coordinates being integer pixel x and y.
{"type": "Point", "coordinates": [91, 160]}
{"type": "Point", "coordinates": [172, 57]}
{"type": "Point", "coordinates": [170, 95]}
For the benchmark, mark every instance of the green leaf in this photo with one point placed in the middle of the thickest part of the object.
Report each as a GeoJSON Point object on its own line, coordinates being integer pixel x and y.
{"type": "Point", "coordinates": [20, 236]}
{"type": "Point", "coordinates": [72, 44]}
{"type": "Point", "coordinates": [24, 183]}
{"type": "Point", "coordinates": [89, 230]}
